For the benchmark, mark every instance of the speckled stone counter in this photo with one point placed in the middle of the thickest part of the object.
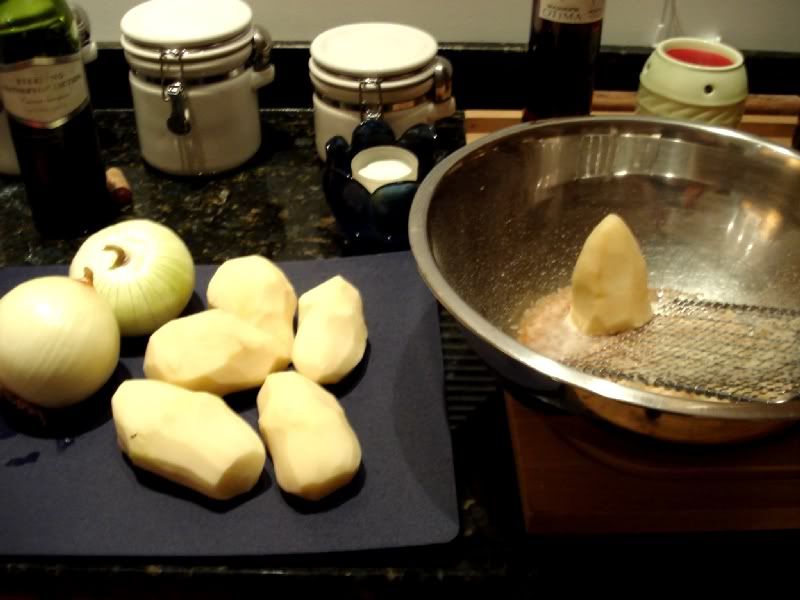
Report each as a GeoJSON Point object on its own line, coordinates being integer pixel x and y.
{"type": "Point", "coordinates": [272, 205]}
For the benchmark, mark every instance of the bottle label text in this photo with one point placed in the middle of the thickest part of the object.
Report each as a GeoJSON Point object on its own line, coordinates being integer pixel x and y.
{"type": "Point", "coordinates": [572, 11]}
{"type": "Point", "coordinates": [44, 92]}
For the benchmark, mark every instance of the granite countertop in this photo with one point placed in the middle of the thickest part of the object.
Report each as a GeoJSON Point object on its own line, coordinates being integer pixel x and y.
{"type": "Point", "coordinates": [274, 206]}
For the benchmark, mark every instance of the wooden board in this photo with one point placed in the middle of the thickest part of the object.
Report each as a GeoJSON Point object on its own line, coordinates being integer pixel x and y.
{"type": "Point", "coordinates": [768, 116]}
{"type": "Point", "coordinates": [578, 476]}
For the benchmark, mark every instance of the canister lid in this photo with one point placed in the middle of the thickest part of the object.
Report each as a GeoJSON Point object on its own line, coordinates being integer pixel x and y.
{"type": "Point", "coordinates": [373, 49]}
{"type": "Point", "coordinates": [186, 23]}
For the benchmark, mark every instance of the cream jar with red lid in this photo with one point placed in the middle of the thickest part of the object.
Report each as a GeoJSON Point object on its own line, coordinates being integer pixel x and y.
{"type": "Point", "coordinates": [195, 70]}
{"type": "Point", "coordinates": [694, 79]}
{"type": "Point", "coordinates": [388, 71]}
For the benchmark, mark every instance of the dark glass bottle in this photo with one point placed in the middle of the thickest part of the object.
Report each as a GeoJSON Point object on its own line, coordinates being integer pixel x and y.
{"type": "Point", "coordinates": [562, 54]}
{"type": "Point", "coordinates": [44, 90]}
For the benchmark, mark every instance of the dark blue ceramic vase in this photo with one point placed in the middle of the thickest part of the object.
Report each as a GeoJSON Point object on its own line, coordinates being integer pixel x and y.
{"type": "Point", "coordinates": [379, 221]}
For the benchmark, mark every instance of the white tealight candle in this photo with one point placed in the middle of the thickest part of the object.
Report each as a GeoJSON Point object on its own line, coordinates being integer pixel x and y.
{"type": "Point", "coordinates": [381, 165]}
{"type": "Point", "coordinates": [390, 169]}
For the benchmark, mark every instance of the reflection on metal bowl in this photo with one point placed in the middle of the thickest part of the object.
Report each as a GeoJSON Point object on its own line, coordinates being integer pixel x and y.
{"type": "Point", "coordinates": [498, 226]}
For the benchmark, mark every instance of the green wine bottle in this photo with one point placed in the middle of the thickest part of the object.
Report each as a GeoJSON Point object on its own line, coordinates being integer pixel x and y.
{"type": "Point", "coordinates": [44, 90]}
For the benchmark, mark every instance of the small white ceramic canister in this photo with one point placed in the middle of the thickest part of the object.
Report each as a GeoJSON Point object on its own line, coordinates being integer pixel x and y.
{"type": "Point", "coordinates": [196, 68]}
{"type": "Point", "coordinates": [377, 70]}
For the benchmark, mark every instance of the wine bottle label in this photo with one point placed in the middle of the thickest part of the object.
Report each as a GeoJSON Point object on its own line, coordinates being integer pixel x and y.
{"type": "Point", "coordinates": [572, 11]}
{"type": "Point", "coordinates": [44, 92]}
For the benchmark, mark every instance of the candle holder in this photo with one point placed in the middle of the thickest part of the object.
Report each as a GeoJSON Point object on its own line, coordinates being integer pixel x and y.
{"type": "Point", "coordinates": [370, 183]}
{"type": "Point", "coordinates": [694, 79]}
{"type": "Point", "coordinates": [381, 165]}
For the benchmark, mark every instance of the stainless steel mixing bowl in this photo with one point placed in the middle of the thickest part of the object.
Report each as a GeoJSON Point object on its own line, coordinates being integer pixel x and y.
{"type": "Point", "coordinates": [499, 224]}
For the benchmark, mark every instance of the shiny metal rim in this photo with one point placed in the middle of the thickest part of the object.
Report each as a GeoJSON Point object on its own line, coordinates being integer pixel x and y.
{"type": "Point", "coordinates": [385, 108]}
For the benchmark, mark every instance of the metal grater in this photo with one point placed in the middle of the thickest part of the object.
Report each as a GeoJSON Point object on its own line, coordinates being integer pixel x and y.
{"type": "Point", "coordinates": [728, 352]}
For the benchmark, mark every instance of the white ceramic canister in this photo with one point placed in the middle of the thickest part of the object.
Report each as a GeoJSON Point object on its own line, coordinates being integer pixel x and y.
{"type": "Point", "coordinates": [196, 67]}
{"type": "Point", "coordinates": [9, 165]}
{"type": "Point", "coordinates": [377, 70]}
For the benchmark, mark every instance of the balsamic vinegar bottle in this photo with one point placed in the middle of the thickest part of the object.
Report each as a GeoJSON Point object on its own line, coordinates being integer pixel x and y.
{"type": "Point", "coordinates": [44, 90]}
{"type": "Point", "coordinates": [562, 54]}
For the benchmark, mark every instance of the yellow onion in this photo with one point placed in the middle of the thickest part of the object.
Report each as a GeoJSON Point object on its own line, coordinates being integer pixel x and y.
{"type": "Point", "coordinates": [142, 268]}
{"type": "Point", "coordinates": [59, 341]}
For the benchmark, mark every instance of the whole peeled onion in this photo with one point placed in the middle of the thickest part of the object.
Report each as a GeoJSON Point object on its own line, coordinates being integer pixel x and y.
{"type": "Point", "coordinates": [142, 268]}
{"type": "Point", "coordinates": [59, 341]}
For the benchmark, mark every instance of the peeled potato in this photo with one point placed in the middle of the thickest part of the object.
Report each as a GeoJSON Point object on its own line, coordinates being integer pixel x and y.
{"type": "Point", "coordinates": [313, 447]}
{"type": "Point", "coordinates": [191, 438]}
{"type": "Point", "coordinates": [331, 332]}
{"type": "Point", "coordinates": [213, 351]}
{"type": "Point", "coordinates": [255, 289]}
{"type": "Point", "coordinates": [609, 282]}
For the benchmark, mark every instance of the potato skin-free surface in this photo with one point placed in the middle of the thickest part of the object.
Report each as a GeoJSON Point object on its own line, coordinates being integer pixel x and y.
{"type": "Point", "coordinates": [257, 290]}
{"type": "Point", "coordinates": [212, 351]}
{"type": "Point", "coordinates": [192, 438]}
{"type": "Point", "coordinates": [312, 445]}
{"type": "Point", "coordinates": [331, 332]}
{"type": "Point", "coordinates": [609, 282]}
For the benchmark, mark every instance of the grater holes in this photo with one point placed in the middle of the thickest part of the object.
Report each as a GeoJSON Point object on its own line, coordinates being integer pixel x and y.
{"type": "Point", "coordinates": [716, 350]}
